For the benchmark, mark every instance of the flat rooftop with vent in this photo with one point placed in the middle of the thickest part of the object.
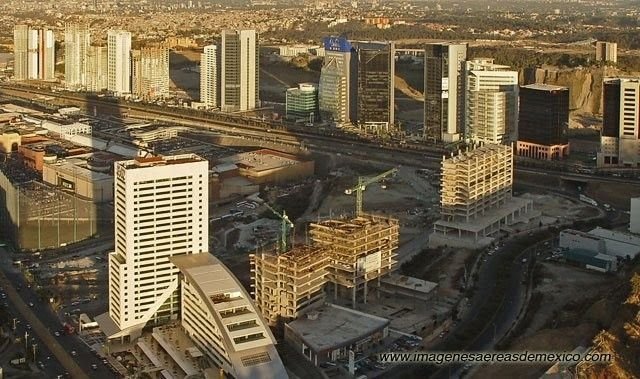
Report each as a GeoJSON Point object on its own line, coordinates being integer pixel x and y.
{"type": "Point", "coordinates": [328, 333]}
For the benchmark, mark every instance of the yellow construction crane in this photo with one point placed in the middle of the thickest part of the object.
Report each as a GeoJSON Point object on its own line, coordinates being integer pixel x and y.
{"type": "Point", "coordinates": [362, 185]}
{"type": "Point", "coordinates": [285, 227]}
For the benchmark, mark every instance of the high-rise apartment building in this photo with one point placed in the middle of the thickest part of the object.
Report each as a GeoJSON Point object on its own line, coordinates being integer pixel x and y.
{"type": "Point", "coordinates": [620, 136]}
{"type": "Point", "coordinates": [543, 122]}
{"type": "Point", "coordinates": [46, 54]}
{"type": "Point", "coordinates": [97, 68]}
{"type": "Point", "coordinates": [34, 53]}
{"type": "Point", "coordinates": [334, 90]}
{"type": "Point", "coordinates": [20, 52]}
{"type": "Point", "coordinates": [150, 73]}
{"type": "Point", "coordinates": [607, 51]}
{"type": "Point", "coordinates": [492, 102]}
{"type": "Point", "coordinates": [77, 39]}
{"type": "Point", "coordinates": [119, 58]}
{"type": "Point", "coordinates": [161, 211]}
{"type": "Point", "coordinates": [209, 76]}
{"type": "Point", "coordinates": [375, 73]}
{"type": "Point", "coordinates": [444, 85]}
{"type": "Point", "coordinates": [302, 102]}
{"type": "Point", "coordinates": [239, 70]}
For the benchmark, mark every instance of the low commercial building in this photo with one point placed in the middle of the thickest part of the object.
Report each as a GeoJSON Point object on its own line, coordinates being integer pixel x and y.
{"type": "Point", "coordinates": [406, 286]}
{"type": "Point", "coordinates": [601, 241]}
{"type": "Point", "coordinates": [270, 166]}
{"type": "Point", "coordinates": [634, 222]}
{"type": "Point", "coordinates": [219, 316]}
{"type": "Point", "coordinates": [618, 244]}
{"type": "Point", "coordinates": [328, 333]}
{"type": "Point", "coordinates": [591, 260]}
{"type": "Point", "coordinates": [75, 175]}
{"type": "Point", "coordinates": [302, 103]}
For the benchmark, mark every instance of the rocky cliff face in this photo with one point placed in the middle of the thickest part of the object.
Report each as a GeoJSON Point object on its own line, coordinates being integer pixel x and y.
{"type": "Point", "coordinates": [585, 85]}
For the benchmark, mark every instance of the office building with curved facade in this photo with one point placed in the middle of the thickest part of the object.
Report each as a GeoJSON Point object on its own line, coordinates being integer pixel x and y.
{"type": "Point", "coordinates": [221, 319]}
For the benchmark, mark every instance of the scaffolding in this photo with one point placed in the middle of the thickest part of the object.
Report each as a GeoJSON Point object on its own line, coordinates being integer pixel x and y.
{"type": "Point", "coordinates": [290, 284]}
{"type": "Point", "coordinates": [360, 250]}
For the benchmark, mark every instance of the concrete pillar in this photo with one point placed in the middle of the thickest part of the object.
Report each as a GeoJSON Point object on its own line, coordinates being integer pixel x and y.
{"type": "Point", "coordinates": [379, 284]}
{"type": "Point", "coordinates": [353, 297]}
{"type": "Point", "coordinates": [335, 291]}
{"type": "Point", "coordinates": [365, 292]}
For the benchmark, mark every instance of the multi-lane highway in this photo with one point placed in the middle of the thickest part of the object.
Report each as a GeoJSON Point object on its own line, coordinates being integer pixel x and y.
{"type": "Point", "coordinates": [69, 354]}
{"type": "Point", "coordinates": [321, 140]}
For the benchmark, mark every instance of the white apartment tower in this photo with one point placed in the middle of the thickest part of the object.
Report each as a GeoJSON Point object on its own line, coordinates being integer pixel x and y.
{"type": "Point", "coordinates": [119, 56]}
{"type": "Point", "coordinates": [239, 70]}
{"type": "Point", "coordinates": [209, 76]}
{"type": "Point", "coordinates": [20, 52]}
{"type": "Point", "coordinates": [46, 54]}
{"type": "Point", "coordinates": [34, 53]}
{"type": "Point", "coordinates": [150, 73]}
{"type": "Point", "coordinates": [161, 211]}
{"type": "Point", "coordinates": [76, 51]}
{"type": "Point", "coordinates": [492, 102]}
{"type": "Point", "coordinates": [97, 69]}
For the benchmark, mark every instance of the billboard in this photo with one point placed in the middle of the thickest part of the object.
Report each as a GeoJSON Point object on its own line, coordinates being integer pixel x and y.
{"type": "Point", "coordinates": [337, 44]}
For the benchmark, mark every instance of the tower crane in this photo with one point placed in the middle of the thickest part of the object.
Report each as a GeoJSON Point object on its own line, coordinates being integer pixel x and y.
{"type": "Point", "coordinates": [285, 227]}
{"type": "Point", "coordinates": [362, 185]}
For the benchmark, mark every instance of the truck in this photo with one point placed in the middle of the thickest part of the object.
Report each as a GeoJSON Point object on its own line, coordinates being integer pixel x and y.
{"type": "Point", "coordinates": [588, 200]}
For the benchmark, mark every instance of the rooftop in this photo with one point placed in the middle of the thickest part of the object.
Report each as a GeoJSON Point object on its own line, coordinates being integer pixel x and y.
{"type": "Point", "coordinates": [336, 326]}
{"type": "Point", "coordinates": [362, 223]}
{"type": "Point", "coordinates": [410, 283]}
{"type": "Point", "coordinates": [143, 162]}
{"type": "Point", "coordinates": [478, 152]}
{"type": "Point", "coordinates": [261, 160]}
{"type": "Point", "coordinates": [545, 87]}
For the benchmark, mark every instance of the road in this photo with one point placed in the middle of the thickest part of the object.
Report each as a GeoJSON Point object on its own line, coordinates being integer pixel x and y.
{"type": "Point", "coordinates": [44, 322]}
{"type": "Point", "coordinates": [333, 140]}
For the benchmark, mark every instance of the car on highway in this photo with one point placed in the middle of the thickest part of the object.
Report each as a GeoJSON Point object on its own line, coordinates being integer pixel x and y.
{"type": "Point", "coordinates": [73, 352]}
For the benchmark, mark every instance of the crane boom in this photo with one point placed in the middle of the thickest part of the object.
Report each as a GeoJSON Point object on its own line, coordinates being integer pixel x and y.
{"type": "Point", "coordinates": [285, 226]}
{"type": "Point", "coordinates": [362, 185]}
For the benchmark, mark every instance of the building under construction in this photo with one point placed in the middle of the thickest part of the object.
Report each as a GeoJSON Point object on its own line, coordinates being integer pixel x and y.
{"type": "Point", "coordinates": [360, 250]}
{"type": "Point", "coordinates": [288, 285]}
{"type": "Point", "coordinates": [476, 200]}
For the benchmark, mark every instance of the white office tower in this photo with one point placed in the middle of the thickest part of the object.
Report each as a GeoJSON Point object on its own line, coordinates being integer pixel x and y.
{"type": "Point", "coordinates": [161, 210]}
{"type": "Point", "coordinates": [334, 87]}
{"type": "Point", "coordinates": [32, 54]}
{"type": "Point", "coordinates": [119, 55]}
{"type": "Point", "coordinates": [97, 68]}
{"type": "Point", "coordinates": [492, 102]}
{"type": "Point", "coordinates": [444, 105]}
{"type": "Point", "coordinates": [76, 51]}
{"type": "Point", "coordinates": [20, 52]}
{"type": "Point", "coordinates": [223, 322]}
{"type": "Point", "coordinates": [209, 76]}
{"type": "Point", "coordinates": [239, 74]}
{"type": "Point", "coordinates": [150, 73]}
